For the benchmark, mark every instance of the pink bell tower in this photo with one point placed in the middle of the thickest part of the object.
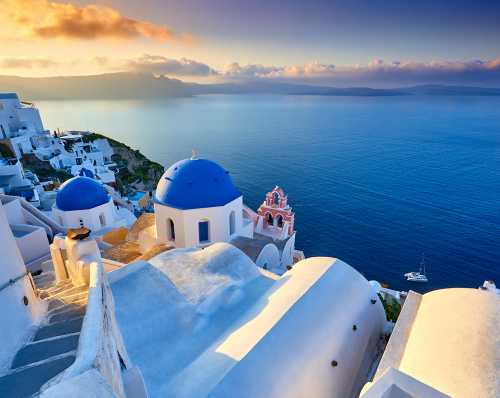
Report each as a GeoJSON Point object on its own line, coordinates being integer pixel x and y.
{"type": "Point", "coordinates": [277, 215]}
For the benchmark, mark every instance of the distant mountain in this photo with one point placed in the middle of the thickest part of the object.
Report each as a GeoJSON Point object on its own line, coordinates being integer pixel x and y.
{"type": "Point", "coordinates": [143, 86]}
{"type": "Point", "coordinates": [431, 89]}
{"type": "Point", "coordinates": [106, 86]}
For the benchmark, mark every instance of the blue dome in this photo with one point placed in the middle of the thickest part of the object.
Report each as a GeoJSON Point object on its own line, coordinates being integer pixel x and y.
{"type": "Point", "coordinates": [80, 193]}
{"type": "Point", "coordinates": [195, 184]}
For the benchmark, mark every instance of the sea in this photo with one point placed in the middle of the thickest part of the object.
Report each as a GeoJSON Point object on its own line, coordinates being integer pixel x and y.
{"type": "Point", "coordinates": [375, 181]}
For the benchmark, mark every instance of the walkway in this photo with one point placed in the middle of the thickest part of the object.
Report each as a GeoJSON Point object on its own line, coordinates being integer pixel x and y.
{"type": "Point", "coordinates": [53, 347]}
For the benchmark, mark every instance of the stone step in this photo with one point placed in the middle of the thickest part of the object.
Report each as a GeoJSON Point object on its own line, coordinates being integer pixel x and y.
{"type": "Point", "coordinates": [27, 381]}
{"type": "Point", "coordinates": [44, 280]}
{"type": "Point", "coordinates": [44, 293]}
{"type": "Point", "coordinates": [69, 291]}
{"type": "Point", "coordinates": [67, 315]}
{"type": "Point", "coordinates": [38, 351]}
{"type": "Point", "coordinates": [80, 299]}
{"type": "Point", "coordinates": [59, 329]}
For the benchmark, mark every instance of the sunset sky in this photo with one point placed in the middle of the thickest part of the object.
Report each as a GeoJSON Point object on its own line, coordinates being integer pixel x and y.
{"type": "Point", "coordinates": [375, 42]}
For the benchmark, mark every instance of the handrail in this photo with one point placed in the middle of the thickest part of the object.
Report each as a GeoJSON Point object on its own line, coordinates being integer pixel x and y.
{"type": "Point", "coordinates": [91, 326]}
{"type": "Point", "coordinates": [11, 282]}
{"type": "Point", "coordinates": [100, 345]}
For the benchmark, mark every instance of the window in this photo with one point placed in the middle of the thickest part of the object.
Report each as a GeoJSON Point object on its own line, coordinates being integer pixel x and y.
{"type": "Point", "coordinates": [203, 231]}
{"type": "Point", "coordinates": [232, 223]}
{"type": "Point", "coordinates": [102, 220]}
{"type": "Point", "coordinates": [81, 223]}
{"type": "Point", "coordinates": [279, 221]}
{"type": "Point", "coordinates": [170, 230]}
{"type": "Point", "coordinates": [269, 219]}
{"type": "Point", "coordinates": [3, 131]}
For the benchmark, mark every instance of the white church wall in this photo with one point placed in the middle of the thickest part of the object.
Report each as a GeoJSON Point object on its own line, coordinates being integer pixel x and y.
{"type": "Point", "coordinates": [90, 218]}
{"type": "Point", "coordinates": [269, 257]}
{"type": "Point", "coordinates": [287, 254]}
{"type": "Point", "coordinates": [16, 318]}
{"type": "Point", "coordinates": [186, 223]}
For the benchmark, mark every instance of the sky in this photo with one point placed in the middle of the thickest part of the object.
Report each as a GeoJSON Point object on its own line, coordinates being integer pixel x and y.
{"type": "Point", "coordinates": [339, 43]}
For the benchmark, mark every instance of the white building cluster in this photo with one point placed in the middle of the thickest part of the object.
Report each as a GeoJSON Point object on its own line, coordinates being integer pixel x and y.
{"type": "Point", "coordinates": [22, 131]}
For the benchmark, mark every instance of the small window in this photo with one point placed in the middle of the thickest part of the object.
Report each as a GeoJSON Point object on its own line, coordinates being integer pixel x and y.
{"type": "Point", "coordinates": [102, 220]}
{"type": "Point", "coordinates": [232, 223]}
{"type": "Point", "coordinates": [203, 232]}
{"type": "Point", "coordinates": [279, 221]}
{"type": "Point", "coordinates": [81, 223]}
{"type": "Point", "coordinates": [269, 218]}
{"type": "Point", "coordinates": [3, 131]}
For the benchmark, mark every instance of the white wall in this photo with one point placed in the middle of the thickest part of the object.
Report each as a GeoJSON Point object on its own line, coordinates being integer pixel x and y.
{"type": "Point", "coordinates": [8, 115]}
{"type": "Point", "coordinates": [33, 244]}
{"type": "Point", "coordinates": [90, 217]}
{"type": "Point", "coordinates": [16, 319]}
{"type": "Point", "coordinates": [293, 359]}
{"type": "Point", "coordinates": [287, 254]}
{"type": "Point", "coordinates": [30, 117]}
{"type": "Point", "coordinates": [186, 222]}
{"type": "Point", "coordinates": [14, 212]}
{"type": "Point", "coordinates": [269, 258]}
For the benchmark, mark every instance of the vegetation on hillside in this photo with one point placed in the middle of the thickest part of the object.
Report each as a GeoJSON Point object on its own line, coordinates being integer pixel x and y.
{"type": "Point", "coordinates": [134, 169]}
{"type": "Point", "coordinates": [391, 306]}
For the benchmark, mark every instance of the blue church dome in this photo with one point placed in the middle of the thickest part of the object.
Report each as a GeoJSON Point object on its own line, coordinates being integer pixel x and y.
{"type": "Point", "coordinates": [80, 193]}
{"type": "Point", "coordinates": [195, 184]}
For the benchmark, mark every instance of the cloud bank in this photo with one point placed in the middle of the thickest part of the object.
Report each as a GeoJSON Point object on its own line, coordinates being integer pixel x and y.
{"type": "Point", "coordinates": [47, 20]}
{"type": "Point", "coordinates": [160, 65]}
{"type": "Point", "coordinates": [27, 63]}
{"type": "Point", "coordinates": [375, 73]}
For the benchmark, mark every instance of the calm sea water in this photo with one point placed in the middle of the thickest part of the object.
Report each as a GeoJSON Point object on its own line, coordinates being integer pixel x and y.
{"type": "Point", "coordinates": [373, 181]}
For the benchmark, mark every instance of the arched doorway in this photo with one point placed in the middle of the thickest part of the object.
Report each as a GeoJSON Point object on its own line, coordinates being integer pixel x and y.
{"type": "Point", "coordinates": [279, 221]}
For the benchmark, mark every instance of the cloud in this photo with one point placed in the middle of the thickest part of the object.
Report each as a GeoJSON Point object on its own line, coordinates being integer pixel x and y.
{"type": "Point", "coordinates": [160, 65]}
{"type": "Point", "coordinates": [27, 63]}
{"type": "Point", "coordinates": [48, 19]}
{"type": "Point", "coordinates": [375, 73]}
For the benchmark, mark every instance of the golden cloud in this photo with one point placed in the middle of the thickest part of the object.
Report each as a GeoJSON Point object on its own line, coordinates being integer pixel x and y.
{"type": "Point", "coordinates": [48, 19]}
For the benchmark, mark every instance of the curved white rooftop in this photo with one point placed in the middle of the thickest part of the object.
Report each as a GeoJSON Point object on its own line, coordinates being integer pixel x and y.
{"type": "Point", "coordinates": [454, 344]}
{"type": "Point", "coordinates": [448, 340]}
{"type": "Point", "coordinates": [214, 323]}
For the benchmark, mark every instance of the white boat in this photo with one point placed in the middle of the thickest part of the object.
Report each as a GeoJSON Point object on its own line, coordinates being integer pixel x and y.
{"type": "Point", "coordinates": [418, 276]}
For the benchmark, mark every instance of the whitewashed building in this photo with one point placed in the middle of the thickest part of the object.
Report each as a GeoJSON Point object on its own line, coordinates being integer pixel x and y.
{"type": "Point", "coordinates": [84, 202]}
{"type": "Point", "coordinates": [197, 204]}
{"type": "Point", "coordinates": [445, 344]}
{"type": "Point", "coordinates": [20, 123]}
{"type": "Point", "coordinates": [22, 130]}
{"type": "Point", "coordinates": [21, 309]}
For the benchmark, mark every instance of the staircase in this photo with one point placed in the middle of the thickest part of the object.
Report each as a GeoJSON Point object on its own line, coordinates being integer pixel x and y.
{"type": "Point", "coordinates": [53, 347]}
